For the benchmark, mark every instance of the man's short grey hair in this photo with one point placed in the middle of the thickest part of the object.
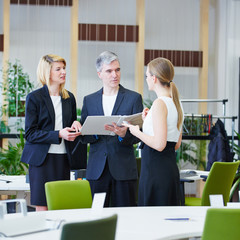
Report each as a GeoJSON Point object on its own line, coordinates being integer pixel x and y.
{"type": "Point", "coordinates": [105, 58]}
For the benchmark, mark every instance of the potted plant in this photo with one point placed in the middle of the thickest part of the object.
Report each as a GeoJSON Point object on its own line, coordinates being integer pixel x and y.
{"type": "Point", "coordinates": [10, 163]}
{"type": "Point", "coordinates": [15, 88]}
{"type": "Point", "coordinates": [192, 152]}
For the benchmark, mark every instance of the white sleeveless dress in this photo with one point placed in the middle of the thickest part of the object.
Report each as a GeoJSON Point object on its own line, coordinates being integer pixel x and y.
{"type": "Point", "coordinates": [159, 183]}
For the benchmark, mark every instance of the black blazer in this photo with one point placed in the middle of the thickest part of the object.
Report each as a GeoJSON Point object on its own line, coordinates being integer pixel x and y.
{"type": "Point", "coordinates": [120, 155]}
{"type": "Point", "coordinates": [39, 125]}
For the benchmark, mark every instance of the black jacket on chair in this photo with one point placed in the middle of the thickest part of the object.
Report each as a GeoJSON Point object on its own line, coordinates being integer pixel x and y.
{"type": "Point", "coordinates": [218, 148]}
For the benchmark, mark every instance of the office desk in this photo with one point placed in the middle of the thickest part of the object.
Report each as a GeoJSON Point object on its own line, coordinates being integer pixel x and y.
{"type": "Point", "coordinates": [185, 178]}
{"type": "Point", "coordinates": [16, 186]}
{"type": "Point", "coordinates": [195, 177]}
{"type": "Point", "coordinates": [134, 223]}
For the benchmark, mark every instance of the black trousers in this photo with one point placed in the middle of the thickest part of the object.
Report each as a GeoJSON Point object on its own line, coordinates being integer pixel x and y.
{"type": "Point", "coordinates": [118, 193]}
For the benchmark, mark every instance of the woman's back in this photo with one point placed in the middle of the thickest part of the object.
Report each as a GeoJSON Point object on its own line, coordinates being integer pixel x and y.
{"type": "Point", "coordinates": [172, 118]}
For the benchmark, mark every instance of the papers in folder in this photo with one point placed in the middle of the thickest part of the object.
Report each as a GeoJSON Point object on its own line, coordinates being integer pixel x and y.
{"type": "Point", "coordinates": [94, 125]}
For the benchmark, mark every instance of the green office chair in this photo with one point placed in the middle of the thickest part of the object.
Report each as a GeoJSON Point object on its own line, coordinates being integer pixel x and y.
{"type": "Point", "coordinates": [222, 224]}
{"type": "Point", "coordinates": [219, 181]}
{"type": "Point", "coordinates": [101, 229]}
{"type": "Point", "coordinates": [68, 194]}
{"type": "Point", "coordinates": [235, 186]}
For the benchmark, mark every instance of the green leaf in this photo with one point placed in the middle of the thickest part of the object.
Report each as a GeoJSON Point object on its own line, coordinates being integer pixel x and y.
{"type": "Point", "coordinates": [10, 163]}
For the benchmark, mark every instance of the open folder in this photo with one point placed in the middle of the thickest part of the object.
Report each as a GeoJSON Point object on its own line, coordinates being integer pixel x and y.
{"type": "Point", "coordinates": [94, 125]}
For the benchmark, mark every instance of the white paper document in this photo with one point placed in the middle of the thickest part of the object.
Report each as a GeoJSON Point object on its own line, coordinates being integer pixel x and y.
{"type": "Point", "coordinates": [98, 201]}
{"type": "Point", "coordinates": [216, 200]}
{"type": "Point", "coordinates": [94, 125]}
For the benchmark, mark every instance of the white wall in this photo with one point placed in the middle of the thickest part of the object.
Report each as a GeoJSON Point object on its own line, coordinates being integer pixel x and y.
{"type": "Point", "coordinates": [1, 17]}
{"type": "Point", "coordinates": [36, 31]}
{"type": "Point", "coordinates": [232, 56]}
{"type": "Point", "coordinates": [122, 12]}
{"type": "Point", "coordinates": [174, 25]}
{"type": "Point", "coordinates": [171, 24]}
{"type": "Point", "coordinates": [167, 27]}
{"type": "Point", "coordinates": [224, 55]}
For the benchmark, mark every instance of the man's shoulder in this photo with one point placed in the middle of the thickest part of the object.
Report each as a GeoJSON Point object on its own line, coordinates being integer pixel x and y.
{"type": "Point", "coordinates": [94, 94]}
{"type": "Point", "coordinates": [128, 91]}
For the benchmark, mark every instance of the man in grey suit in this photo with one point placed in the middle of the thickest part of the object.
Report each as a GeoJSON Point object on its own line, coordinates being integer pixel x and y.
{"type": "Point", "coordinates": [112, 165]}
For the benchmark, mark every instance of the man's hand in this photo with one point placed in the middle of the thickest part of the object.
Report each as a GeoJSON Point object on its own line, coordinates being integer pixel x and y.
{"type": "Point", "coordinates": [119, 130]}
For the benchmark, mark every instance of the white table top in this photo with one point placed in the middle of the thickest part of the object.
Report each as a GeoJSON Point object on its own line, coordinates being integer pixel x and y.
{"type": "Point", "coordinates": [16, 183]}
{"type": "Point", "coordinates": [140, 223]}
{"type": "Point", "coordinates": [197, 176]}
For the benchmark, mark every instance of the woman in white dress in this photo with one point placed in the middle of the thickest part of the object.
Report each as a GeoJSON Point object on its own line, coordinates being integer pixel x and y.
{"type": "Point", "coordinates": [159, 183]}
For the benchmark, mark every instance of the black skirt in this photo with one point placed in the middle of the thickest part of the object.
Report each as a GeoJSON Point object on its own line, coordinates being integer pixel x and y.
{"type": "Point", "coordinates": [55, 167]}
{"type": "Point", "coordinates": [159, 183]}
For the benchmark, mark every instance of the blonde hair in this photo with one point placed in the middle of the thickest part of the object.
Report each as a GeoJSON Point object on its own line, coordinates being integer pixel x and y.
{"type": "Point", "coordinates": [163, 69]}
{"type": "Point", "coordinates": [44, 68]}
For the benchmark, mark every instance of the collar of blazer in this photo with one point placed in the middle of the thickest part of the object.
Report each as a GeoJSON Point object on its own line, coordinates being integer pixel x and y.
{"type": "Point", "coordinates": [48, 101]}
{"type": "Point", "coordinates": [120, 96]}
{"type": "Point", "coordinates": [66, 108]}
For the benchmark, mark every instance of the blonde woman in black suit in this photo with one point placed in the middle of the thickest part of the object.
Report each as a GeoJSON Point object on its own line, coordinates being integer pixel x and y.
{"type": "Point", "coordinates": [50, 112]}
